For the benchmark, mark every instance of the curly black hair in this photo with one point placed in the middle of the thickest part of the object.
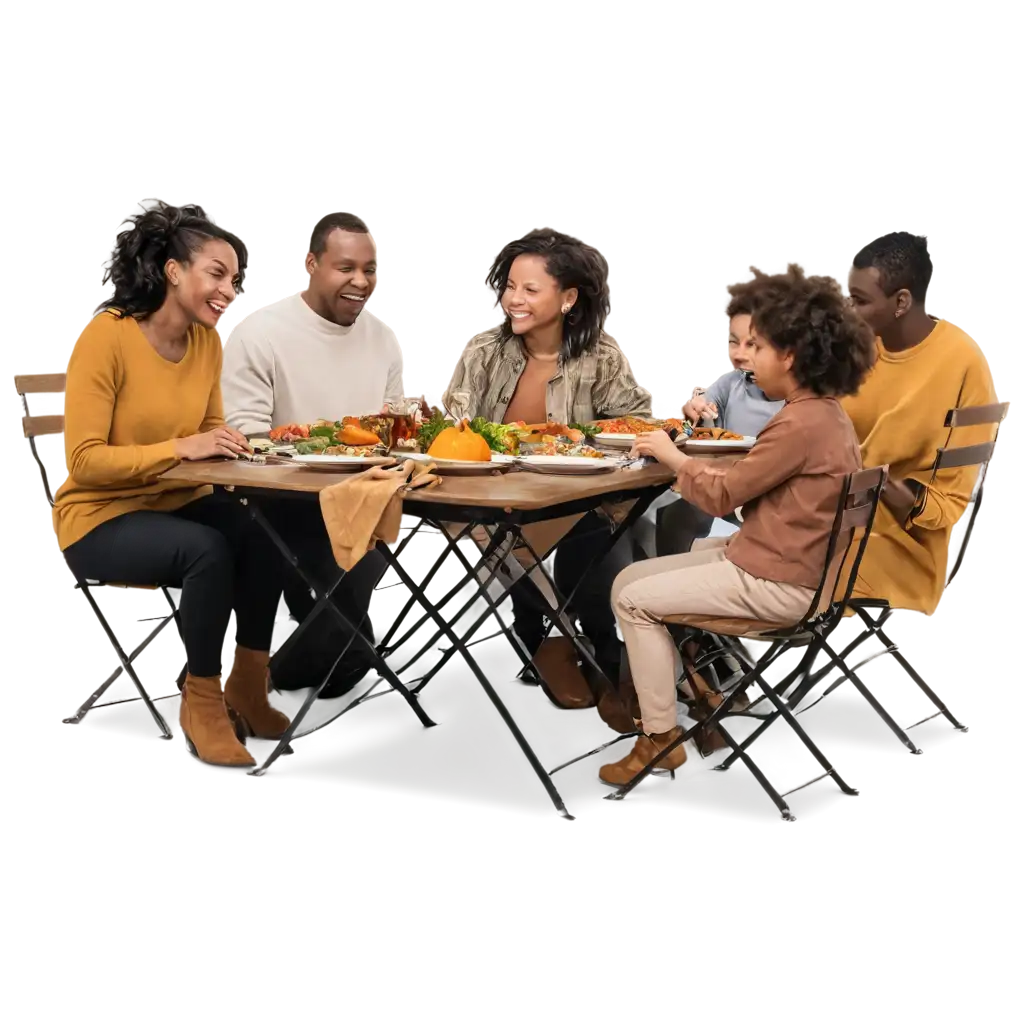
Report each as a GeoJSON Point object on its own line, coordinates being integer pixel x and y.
{"type": "Point", "coordinates": [902, 261]}
{"type": "Point", "coordinates": [833, 348]}
{"type": "Point", "coordinates": [741, 299]}
{"type": "Point", "coordinates": [573, 264]}
{"type": "Point", "coordinates": [158, 234]}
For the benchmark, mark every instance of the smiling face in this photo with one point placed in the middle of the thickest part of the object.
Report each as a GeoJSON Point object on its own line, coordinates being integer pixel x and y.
{"type": "Point", "coordinates": [532, 298]}
{"type": "Point", "coordinates": [343, 276]}
{"type": "Point", "coordinates": [772, 369]}
{"type": "Point", "coordinates": [206, 285]}
{"type": "Point", "coordinates": [741, 343]}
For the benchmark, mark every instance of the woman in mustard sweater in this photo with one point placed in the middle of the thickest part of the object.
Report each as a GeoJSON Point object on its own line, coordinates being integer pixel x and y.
{"type": "Point", "coordinates": [143, 394]}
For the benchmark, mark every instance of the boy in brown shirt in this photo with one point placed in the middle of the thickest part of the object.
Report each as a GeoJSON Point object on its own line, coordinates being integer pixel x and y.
{"type": "Point", "coordinates": [810, 349]}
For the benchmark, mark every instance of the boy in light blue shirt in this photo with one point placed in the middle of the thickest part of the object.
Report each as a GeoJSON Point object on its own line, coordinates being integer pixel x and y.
{"type": "Point", "coordinates": [735, 403]}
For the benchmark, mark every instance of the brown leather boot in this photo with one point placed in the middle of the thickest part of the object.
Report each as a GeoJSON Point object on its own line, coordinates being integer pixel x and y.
{"type": "Point", "coordinates": [563, 681]}
{"type": "Point", "coordinates": [245, 694]}
{"type": "Point", "coordinates": [644, 751]}
{"type": "Point", "coordinates": [207, 728]}
{"type": "Point", "coordinates": [619, 710]}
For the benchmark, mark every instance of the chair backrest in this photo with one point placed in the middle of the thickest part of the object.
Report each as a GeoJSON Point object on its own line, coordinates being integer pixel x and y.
{"type": "Point", "coordinates": [851, 528]}
{"type": "Point", "coordinates": [38, 426]}
{"type": "Point", "coordinates": [970, 455]}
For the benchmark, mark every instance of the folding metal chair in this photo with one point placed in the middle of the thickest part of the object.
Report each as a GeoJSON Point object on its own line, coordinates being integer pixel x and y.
{"type": "Point", "coordinates": [131, 619]}
{"type": "Point", "coordinates": [873, 669]}
{"type": "Point", "coordinates": [855, 514]}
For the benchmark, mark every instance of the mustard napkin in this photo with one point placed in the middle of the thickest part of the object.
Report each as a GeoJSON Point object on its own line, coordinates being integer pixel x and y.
{"type": "Point", "coordinates": [367, 507]}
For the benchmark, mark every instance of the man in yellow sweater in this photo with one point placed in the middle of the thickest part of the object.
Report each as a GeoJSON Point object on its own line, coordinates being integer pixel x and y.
{"type": "Point", "coordinates": [925, 368]}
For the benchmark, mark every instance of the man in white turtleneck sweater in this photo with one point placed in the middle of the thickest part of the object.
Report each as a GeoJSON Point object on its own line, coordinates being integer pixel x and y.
{"type": "Point", "coordinates": [316, 355]}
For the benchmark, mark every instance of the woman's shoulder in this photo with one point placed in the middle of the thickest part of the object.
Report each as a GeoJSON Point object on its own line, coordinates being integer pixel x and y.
{"type": "Point", "coordinates": [484, 348]}
{"type": "Point", "coordinates": [608, 352]}
{"type": "Point", "coordinates": [102, 333]}
{"type": "Point", "coordinates": [486, 339]}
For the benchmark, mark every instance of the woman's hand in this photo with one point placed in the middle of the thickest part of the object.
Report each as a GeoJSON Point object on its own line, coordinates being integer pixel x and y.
{"type": "Point", "coordinates": [221, 442]}
{"type": "Point", "coordinates": [658, 445]}
{"type": "Point", "coordinates": [697, 408]}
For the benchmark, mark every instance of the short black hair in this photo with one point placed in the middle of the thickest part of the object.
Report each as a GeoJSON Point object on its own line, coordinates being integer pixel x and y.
{"type": "Point", "coordinates": [833, 348]}
{"type": "Point", "coordinates": [902, 261]}
{"type": "Point", "coordinates": [334, 222]}
{"type": "Point", "coordinates": [573, 264]}
{"type": "Point", "coordinates": [158, 234]}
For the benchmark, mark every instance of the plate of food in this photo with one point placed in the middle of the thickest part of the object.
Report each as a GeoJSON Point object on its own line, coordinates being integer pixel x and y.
{"type": "Point", "coordinates": [568, 464]}
{"type": "Point", "coordinates": [718, 440]}
{"type": "Point", "coordinates": [622, 432]}
{"type": "Point", "coordinates": [342, 459]}
{"type": "Point", "coordinates": [349, 431]}
{"type": "Point", "coordinates": [460, 467]}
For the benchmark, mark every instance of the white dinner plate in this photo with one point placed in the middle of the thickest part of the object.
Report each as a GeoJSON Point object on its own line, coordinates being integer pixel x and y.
{"type": "Point", "coordinates": [721, 446]}
{"type": "Point", "coordinates": [566, 464]}
{"type": "Point", "coordinates": [460, 467]}
{"type": "Point", "coordinates": [340, 463]}
{"type": "Point", "coordinates": [622, 442]}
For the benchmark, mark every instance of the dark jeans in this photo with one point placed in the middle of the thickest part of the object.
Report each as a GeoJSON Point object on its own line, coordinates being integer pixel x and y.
{"type": "Point", "coordinates": [211, 550]}
{"type": "Point", "coordinates": [315, 654]}
{"type": "Point", "coordinates": [592, 601]}
{"type": "Point", "coordinates": [678, 525]}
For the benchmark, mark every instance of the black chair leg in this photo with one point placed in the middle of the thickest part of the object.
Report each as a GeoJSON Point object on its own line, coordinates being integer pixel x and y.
{"type": "Point", "coordinates": [124, 670]}
{"type": "Point", "coordinates": [876, 671]}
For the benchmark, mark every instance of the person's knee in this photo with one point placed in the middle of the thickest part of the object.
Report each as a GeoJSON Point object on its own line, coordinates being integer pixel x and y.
{"type": "Point", "coordinates": [621, 580]}
{"type": "Point", "coordinates": [210, 555]}
{"type": "Point", "coordinates": [624, 594]}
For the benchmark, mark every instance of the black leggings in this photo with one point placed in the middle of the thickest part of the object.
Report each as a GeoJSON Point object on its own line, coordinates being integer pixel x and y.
{"type": "Point", "coordinates": [210, 549]}
{"type": "Point", "coordinates": [592, 601]}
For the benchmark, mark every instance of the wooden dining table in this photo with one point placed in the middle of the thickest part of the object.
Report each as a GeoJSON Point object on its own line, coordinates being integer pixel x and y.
{"type": "Point", "coordinates": [506, 504]}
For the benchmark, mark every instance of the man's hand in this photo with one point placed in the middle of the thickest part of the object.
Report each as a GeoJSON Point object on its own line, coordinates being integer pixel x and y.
{"type": "Point", "coordinates": [658, 445]}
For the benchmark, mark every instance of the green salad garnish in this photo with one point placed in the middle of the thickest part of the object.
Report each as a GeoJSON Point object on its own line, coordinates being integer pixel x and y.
{"type": "Point", "coordinates": [314, 446]}
{"type": "Point", "coordinates": [431, 428]}
{"type": "Point", "coordinates": [493, 433]}
{"type": "Point", "coordinates": [324, 430]}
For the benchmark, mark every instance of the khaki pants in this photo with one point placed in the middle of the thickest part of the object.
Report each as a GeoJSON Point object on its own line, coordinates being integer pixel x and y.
{"type": "Point", "coordinates": [700, 582]}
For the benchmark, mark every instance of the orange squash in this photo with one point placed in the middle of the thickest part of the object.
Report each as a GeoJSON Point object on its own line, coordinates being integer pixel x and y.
{"type": "Point", "coordinates": [459, 442]}
{"type": "Point", "coordinates": [353, 434]}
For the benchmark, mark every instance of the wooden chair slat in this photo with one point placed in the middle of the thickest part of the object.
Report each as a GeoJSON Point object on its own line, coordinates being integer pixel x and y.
{"type": "Point", "coordinates": [968, 455]}
{"type": "Point", "coordinates": [40, 383]}
{"type": "Point", "coordinates": [37, 426]}
{"type": "Point", "coordinates": [976, 415]}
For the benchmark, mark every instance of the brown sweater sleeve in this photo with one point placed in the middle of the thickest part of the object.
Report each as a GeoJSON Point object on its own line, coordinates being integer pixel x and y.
{"type": "Point", "coordinates": [92, 384]}
{"type": "Point", "coordinates": [778, 455]}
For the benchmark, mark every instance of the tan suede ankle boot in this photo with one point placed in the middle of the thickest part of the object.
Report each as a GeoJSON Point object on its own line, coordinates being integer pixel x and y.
{"type": "Point", "coordinates": [208, 730]}
{"type": "Point", "coordinates": [644, 751]}
{"type": "Point", "coordinates": [245, 694]}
